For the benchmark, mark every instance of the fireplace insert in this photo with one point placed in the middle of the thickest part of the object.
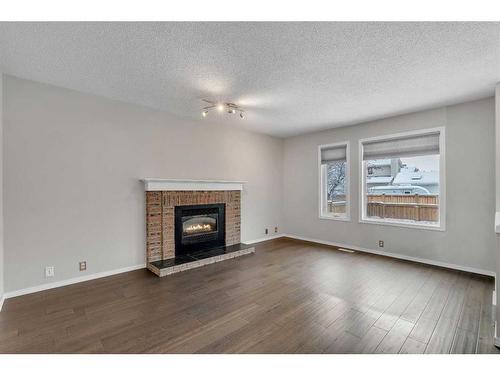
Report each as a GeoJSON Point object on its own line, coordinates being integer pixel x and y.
{"type": "Point", "coordinates": [199, 227]}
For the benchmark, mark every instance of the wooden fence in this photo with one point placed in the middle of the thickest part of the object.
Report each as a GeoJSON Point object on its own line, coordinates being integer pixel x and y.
{"type": "Point", "coordinates": [336, 207]}
{"type": "Point", "coordinates": [406, 207]}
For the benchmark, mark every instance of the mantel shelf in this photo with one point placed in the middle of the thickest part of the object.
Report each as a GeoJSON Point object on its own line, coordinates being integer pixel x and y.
{"type": "Point", "coordinates": [161, 184]}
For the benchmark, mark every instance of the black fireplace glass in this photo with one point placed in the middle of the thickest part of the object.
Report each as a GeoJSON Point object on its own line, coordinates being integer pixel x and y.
{"type": "Point", "coordinates": [199, 227]}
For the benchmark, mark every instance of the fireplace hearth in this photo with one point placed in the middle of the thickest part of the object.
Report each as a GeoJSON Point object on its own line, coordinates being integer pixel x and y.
{"type": "Point", "coordinates": [192, 223]}
{"type": "Point", "coordinates": [199, 227]}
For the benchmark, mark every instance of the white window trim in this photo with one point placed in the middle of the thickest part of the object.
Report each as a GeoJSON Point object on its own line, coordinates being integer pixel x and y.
{"type": "Point", "coordinates": [347, 217]}
{"type": "Point", "coordinates": [442, 182]}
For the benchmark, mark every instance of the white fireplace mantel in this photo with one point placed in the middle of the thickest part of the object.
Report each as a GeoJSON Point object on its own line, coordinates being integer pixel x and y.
{"type": "Point", "coordinates": [161, 184]}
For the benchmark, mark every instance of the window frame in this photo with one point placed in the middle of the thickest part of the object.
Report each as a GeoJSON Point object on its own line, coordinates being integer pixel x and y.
{"type": "Point", "coordinates": [321, 187]}
{"type": "Point", "coordinates": [441, 226]}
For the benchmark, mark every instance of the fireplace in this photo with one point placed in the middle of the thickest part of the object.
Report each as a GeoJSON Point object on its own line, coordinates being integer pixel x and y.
{"type": "Point", "coordinates": [199, 227]}
{"type": "Point", "coordinates": [192, 223]}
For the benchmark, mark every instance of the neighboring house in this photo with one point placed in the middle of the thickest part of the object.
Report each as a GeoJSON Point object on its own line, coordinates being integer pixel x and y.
{"type": "Point", "coordinates": [422, 179]}
{"type": "Point", "coordinates": [398, 190]}
{"type": "Point", "coordinates": [391, 177]}
{"type": "Point", "coordinates": [382, 172]}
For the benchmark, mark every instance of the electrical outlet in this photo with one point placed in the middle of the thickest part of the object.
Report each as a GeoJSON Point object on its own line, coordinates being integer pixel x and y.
{"type": "Point", "coordinates": [380, 243]}
{"type": "Point", "coordinates": [267, 231]}
{"type": "Point", "coordinates": [83, 265]}
{"type": "Point", "coordinates": [275, 229]}
{"type": "Point", "coordinates": [49, 271]}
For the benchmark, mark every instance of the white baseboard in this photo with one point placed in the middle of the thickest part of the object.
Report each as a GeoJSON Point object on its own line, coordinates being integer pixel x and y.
{"type": "Point", "coordinates": [74, 280]}
{"type": "Point", "coordinates": [2, 299]}
{"type": "Point", "coordinates": [271, 237]}
{"type": "Point", "coordinates": [398, 256]}
{"type": "Point", "coordinates": [98, 275]}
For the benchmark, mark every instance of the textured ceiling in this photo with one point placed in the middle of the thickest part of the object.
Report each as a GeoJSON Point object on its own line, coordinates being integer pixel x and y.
{"type": "Point", "coordinates": [290, 77]}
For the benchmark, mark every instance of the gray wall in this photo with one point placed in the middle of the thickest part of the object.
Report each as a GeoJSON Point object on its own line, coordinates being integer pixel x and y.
{"type": "Point", "coordinates": [72, 167]}
{"type": "Point", "coordinates": [72, 162]}
{"type": "Point", "coordinates": [1, 191]}
{"type": "Point", "coordinates": [470, 180]}
{"type": "Point", "coordinates": [497, 145]}
{"type": "Point", "coordinates": [497, 168]}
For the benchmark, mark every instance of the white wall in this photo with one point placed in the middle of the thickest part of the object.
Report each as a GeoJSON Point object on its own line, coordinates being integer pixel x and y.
{"type": "Point", "coordinates": [72, 167]}
{"type": "Point", "coordinates": [468, 241]}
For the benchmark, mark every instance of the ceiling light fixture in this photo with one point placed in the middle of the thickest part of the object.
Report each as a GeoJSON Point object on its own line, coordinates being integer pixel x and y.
{"type": "Point", "coordinates": [230, 108]}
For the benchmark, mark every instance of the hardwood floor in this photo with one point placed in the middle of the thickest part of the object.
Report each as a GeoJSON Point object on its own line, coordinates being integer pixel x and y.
{"type": "Point", "coordinates": [290, 297]}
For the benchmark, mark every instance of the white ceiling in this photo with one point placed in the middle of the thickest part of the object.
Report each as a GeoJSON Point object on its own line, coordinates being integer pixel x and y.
{"type": "Point", "coordinates": [290, 77]}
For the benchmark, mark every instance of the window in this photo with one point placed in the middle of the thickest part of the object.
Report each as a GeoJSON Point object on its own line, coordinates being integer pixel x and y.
{"type": "Point", "coordinates": [403, 179]}
{"type": "Point", "coordinates": [334, 181]}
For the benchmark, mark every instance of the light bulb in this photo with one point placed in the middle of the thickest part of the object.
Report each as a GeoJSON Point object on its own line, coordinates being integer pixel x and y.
{"type": "Point", "coordinates": [204, 113]}
{"type": "Point", "coordinates": [220, 107]}
{"type": "Point", "coordinates": [231, 110]}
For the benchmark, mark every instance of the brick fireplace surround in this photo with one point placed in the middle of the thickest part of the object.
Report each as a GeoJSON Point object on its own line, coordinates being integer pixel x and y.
{"type": "Point", "coordinates": [161, 198]}
{"type": "Point", "coordinates": [160, 217]}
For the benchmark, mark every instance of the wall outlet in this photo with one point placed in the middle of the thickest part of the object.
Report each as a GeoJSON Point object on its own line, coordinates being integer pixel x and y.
{"type": "Point", "coordinates": [275, 229]}
{"type": "Point", "coordinates": [267, 231]}
{"type": "Point", "coordinates": [83, 265]}
{"type": "Point", "coordinates": [49, 271]}
{"type": "Point", "coordinates": [380, 243]}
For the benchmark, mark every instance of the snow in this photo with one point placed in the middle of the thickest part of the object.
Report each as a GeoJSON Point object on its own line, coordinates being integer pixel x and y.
{"type": "Point", "coordinates": [379, 162]}
{"type": "Point", "coordinates": [416, 178]}
{"type": "Point", "coordinates": [378, 179]}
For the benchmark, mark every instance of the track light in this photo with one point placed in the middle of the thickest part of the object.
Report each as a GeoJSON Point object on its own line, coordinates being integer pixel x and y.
{"type": "Point", "coordinates": [221, 107]}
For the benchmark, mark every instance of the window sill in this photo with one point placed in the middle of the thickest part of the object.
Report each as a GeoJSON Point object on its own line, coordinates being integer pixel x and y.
{"type": "Point", "coordinates": [337, 218]}
{"type": "Point", "coordinates": [439, 228]}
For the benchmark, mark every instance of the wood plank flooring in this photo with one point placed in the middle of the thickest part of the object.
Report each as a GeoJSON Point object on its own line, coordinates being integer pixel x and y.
{"type": "Point", "coordinates": [290, 297]}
